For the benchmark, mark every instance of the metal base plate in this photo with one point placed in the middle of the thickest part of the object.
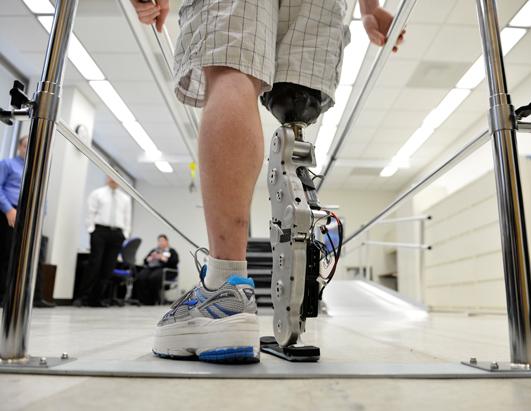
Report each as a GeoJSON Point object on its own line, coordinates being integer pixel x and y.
{"type": "Point", "coordinates": [149, 366]}
{"type": "Point", "coordinates": [33, 363]}
{"type": "Point", "coordinates": [499, 367]}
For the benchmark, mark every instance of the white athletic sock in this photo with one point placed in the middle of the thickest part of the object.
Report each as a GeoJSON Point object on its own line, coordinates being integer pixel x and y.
{"type": "Point", "coordinates": [219, 271]}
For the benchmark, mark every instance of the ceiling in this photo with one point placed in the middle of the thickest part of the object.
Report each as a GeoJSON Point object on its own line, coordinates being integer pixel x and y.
{"type": "Point", "coordinates": [442, 41]}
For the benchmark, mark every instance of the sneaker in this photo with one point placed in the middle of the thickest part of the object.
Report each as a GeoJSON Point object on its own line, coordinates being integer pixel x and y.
{"type": "Point", "coordinates": [218, 326]}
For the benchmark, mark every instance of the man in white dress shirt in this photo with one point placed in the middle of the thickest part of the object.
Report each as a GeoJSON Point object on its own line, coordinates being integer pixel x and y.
{"type": "Point", "coordinates": [109, 224]}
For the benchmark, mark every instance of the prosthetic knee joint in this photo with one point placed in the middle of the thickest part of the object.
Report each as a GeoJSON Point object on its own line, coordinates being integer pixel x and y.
{"type": "Point", "coordinates": [297, 218]}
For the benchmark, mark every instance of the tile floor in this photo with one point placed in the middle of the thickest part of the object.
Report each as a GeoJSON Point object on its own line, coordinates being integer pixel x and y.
{"type": "Point", "coordinates": [363, 325]}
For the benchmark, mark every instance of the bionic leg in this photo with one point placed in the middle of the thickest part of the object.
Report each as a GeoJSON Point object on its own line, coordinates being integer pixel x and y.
{"type": "Point", "coordinates": [297, 280]}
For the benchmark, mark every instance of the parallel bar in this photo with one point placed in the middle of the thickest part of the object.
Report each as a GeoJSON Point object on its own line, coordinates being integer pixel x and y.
{"type": "Point", "coordinates": [169, 97]}
{"type": "Point", "coordinates": [103, 165]}
{"type": "Point", "coordinates": [405, 219]}
{"type": "Point", "coordinates": [400, 245]}
{"type": "Point", "coordinates": [510, 202]}
{"type": "Point", "coordinates": [27, 235]}
{"type": "Point", "coordinates": [164, 43]}
{"type": "Point", "coordinates": [398, 25]}
{"type": "Point", "coordinates": [524, 127]}
{"type": "Point", "coordinates": [428, 179]}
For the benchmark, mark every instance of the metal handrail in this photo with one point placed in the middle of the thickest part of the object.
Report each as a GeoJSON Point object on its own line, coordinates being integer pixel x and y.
{"type": "Point", "coordinates": [151, 63]}
{"type": "Point", "coordinates": [101, 163]}
{"type": "Point", "coordinates": [164, 42]}
{"type": "Point", "coordinates": [398, 25]}
{"type": "Point", "coordinates": [426, 247]}
{"type": "Point", "coordinates": [430, 177]}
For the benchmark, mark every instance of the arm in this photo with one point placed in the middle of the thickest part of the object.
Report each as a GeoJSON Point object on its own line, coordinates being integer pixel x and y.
{"type": "Point", "coordinates": [149, 13]}
{"type": "Point", "coordinates": [5, 204]}
{"type": "Point", "coordinates": [376, 21]}
{"type": "Point", "coordinates": [173, 260]}
{"type": "Point", "coordinates": [148, 258]}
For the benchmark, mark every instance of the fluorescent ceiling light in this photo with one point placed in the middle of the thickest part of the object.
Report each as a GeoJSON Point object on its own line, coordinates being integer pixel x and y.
{"type": "Point", "coordinates": [333, 116]}
{"type": "Point", "coordinates": [88, 68]}
{"type": "Point", "coordinates": [413, 144]}
{"type": "Point", "coordinates": [81, 59]}
{"type": "Point", "coordinates": [322, 145]}
{"type": "Point", "coordinates": [509, 36]}
{"type": "Point", "coordinates": [77, 54]}
{"type": "Point", "coordinates": [354, 53]}
{"type": "Point", "coordinates": [445, 108]}
{"type": "Point", "coordinates": [164, 166]}
{"type": "Point", "coordinates": [141, 137]}
{"type": "Point", "coordinates": [39, 6]}
{"type": "Point", "coordinates": [523, 17]}
{"type": "Point", "coordinates": [389, 170]}
{"type": "Point", "coordinates": [110, 97]}
{"type": "Point", "coordinates": [357, 10]}
{"type": "Point", "coordinates": [474, 75]}
{"type": "Point", "coordinates": [46, 22]}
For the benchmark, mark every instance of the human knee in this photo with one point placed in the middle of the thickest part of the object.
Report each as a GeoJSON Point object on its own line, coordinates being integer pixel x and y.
{"type": "Point", "coordinates": [231, 82]}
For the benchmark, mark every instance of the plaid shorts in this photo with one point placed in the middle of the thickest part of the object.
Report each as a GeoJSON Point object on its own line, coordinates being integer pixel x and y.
{"type": "Point", "coordinates": [295, 41]}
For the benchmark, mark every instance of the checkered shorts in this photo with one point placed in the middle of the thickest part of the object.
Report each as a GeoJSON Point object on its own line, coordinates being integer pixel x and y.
{"type": "Point", "coordinates": [295, 41]}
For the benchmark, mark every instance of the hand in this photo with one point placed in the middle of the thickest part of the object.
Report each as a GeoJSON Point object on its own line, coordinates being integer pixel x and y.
{"type": "Point", "coordinates": [149, 13]}
{"type": "Point", "coordinates": [11, 217]}
{"type": "Point", "coordinates": [377, 25]}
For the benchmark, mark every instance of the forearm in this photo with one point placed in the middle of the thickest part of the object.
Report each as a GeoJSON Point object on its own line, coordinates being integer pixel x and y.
{"type": "Point", "coordinates": [368, 6]}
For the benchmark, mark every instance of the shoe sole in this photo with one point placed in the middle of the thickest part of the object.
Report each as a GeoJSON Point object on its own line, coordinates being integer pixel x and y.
{"type": "Point", "coordinates": [232, 340]}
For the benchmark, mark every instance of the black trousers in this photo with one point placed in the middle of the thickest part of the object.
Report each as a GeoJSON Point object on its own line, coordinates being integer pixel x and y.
{"type": "Point", "coordinates": [147, 285]}
{"type": "Point", "coordinates": [105, 245]}
{"type": "Point", "coordinates": [6, 239]}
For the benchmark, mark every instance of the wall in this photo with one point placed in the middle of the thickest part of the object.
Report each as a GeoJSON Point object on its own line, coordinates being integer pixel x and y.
{"type": "Point", "coordinates": [184, 209]}
{"type": "Point", "coordinates": [464, 270]}
{"type": "Point", "coordinates": [64, 201]}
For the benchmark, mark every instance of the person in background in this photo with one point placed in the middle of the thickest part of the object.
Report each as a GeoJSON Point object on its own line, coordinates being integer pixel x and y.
{"type": "Point", "coordinates": [109, 224]}
{"type": "Point", "coordinates": [149, 281]}
{"type": "Point", "coordinates": [11, 170]}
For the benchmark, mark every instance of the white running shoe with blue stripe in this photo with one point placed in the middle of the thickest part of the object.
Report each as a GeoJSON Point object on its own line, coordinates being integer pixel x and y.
{"type": "Point", "coordinates": [213, 325]}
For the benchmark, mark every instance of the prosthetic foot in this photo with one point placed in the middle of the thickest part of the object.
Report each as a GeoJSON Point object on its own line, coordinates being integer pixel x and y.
{"type": "Point", "coordinates": [297, 223]}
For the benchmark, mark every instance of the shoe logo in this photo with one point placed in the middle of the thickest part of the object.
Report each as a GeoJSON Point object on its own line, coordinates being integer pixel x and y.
{"type": "Point", "coordinates": [190, 303]}
{"type": "Point", "coordinates": [249, 292]}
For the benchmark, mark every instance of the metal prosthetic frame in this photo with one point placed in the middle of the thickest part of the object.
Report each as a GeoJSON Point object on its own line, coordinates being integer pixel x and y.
{"type": "Point", "coordinates": [295, 285]}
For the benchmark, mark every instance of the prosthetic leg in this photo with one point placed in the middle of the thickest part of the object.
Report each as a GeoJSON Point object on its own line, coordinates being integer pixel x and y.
{"type": "Point", "coordinates": [297, 282]}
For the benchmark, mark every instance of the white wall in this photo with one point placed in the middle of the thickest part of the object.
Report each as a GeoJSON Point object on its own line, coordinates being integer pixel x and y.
{"type": "Point", "coordinates": [464, 270]}
{"type": "Point", "coordinates": [184, 209]}
{"type": "Point", "coordinates": [65, 193]}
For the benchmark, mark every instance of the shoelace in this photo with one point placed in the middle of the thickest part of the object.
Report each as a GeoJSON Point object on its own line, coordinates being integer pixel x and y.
{"type": "Point", "coordinates": [201, 269]}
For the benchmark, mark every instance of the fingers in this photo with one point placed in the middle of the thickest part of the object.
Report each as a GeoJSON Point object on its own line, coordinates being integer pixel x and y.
{"type": "Point", "coordinates": [399, 41]}
{"type": "Point", "coordinates": [147, 12]}
{"type": "Point", "coordinates": [376, 37]}
{"type": "Point", "coordinates": [141, 6]}
{"type": "Point", "coordinates": [161, 19]}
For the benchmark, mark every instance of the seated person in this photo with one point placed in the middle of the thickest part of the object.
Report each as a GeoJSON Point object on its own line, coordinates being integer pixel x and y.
{"type": "Point", "coordinates": [149, 281]}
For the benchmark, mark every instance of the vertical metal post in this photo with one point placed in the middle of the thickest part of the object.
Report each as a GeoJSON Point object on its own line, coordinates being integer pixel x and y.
{"type": "Point", "coordinates": [26, 238]}
{"type": "Point", "coordinates": [510, 202]}
{"type": "Point", "coordinates": [422, 260]}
